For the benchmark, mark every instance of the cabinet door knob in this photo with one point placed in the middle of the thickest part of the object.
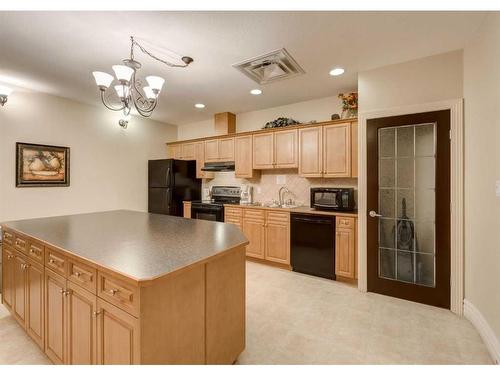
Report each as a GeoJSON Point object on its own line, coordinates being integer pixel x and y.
{"type": "Point", "coordinates": [32, 250]}
{"type": "Point", "coordinates": [52, 261]}
{"type": "Point", "coordinates": [61, 291]}
{"type": "Point", "coordinates": [95, 313]}
{"type": "Point", "coordinates": [113, 291]}
{"type": "Point", "coordinates": [67, 293]}
{"type": "Point", "coordinates": [10, 256]}
{"type": "Point", "coordinates": [77, 274]}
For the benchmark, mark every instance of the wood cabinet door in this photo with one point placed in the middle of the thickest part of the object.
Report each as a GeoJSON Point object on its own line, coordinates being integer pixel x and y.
{"type": "Point", "coordinates": [337, 150]}
{"type": "Point", "coordinates": [174, 152]}
{"type": "Point", "coordinates": [117, 336]}
{"type": "Point", "coordinates": [187, 210]}
{"type": "Point", "coordinates": [354, 149]}
{"type": "Point", "coordinates": [254, 229]}
{"type": "Point", "coordinates": [81, 326]}
{"type": "Point", "coordinates": [188, 151]}
{"type": "Point", "coordinates": [243, 156]}
{"type": "Point", "coordinates": [55, 317]}
{"type": "Point", "coordinates": [345, 251]}
{"type": "Point", "coordinates": [200, 161]}
{"type": "Point", "coordinates": [263, 151]}
{"type": "Point", "coordinates": [8, 277]}
{"type": "Point", "coordinates": [286, 149]}
{"type": "Point", "coordinates": [311, 152]}
{"type": "Point", "coordinates": [278, 237]}
{"type": "Point", "coordinates": [226, 149]}
{"type": "Point", "coordinates": [20, 266]}
{"type": "Point", "coordinates": [35, 307]}
{"type": "Point", "coordinates": [211, 150]}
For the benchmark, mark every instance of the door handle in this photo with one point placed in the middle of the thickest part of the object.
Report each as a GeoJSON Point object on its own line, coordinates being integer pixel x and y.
{"type": "Point", "coordinates": [374, 214]}
{"type": "Point", "coordinates": [168, 176]}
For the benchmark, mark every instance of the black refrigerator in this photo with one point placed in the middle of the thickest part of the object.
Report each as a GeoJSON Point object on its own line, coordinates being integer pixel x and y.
{"type": "Point", "coordinates": [170, 182]}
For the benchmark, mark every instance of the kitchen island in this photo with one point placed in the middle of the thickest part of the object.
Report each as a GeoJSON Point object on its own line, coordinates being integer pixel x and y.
{"type": "Point", "coordinates": [126, 287]}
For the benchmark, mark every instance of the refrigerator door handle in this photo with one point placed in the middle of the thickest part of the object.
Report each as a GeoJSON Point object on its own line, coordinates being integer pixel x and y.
{"type": "Point", "coordinates": [168, 176]}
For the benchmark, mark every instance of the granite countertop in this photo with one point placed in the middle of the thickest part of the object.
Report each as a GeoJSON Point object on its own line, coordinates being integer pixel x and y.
{"type": "Point", "coordinates": [299, 210]}
{"type": "Point", "coordinates": [140, 245]}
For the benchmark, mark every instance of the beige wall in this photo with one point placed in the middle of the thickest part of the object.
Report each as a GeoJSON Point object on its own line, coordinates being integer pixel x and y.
{"type": "Point", "coordinates": [108, 163]}
{"type": "Point", "coordinates": [482, 169]}
{"type": "Point", "coordinates": [426, 80]}
{"type": "Point", "coordinates": [318, 110]}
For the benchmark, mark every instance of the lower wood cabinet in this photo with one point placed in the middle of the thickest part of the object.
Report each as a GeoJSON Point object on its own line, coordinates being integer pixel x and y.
{"type": "Point", "coordinates": [35, 326]}
{"type": "Point", "coordinates": [187, 210]}
{"type": "Point", "coordinates": [117, 336]}
{"type": "Point", "coordinates": [267, 231]}
{"type": "Point", "coordinates": [7, 277]}
{"type": "Point", "coordinates": [19, 307]}
{"type": "Point", "coordinates": [345, 247]}
{"type": "Point", "coordinates": [55, 317]}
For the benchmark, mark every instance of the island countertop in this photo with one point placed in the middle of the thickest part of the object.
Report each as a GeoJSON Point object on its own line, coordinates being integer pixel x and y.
{"type": "Point", "coordinates": [139, 245]}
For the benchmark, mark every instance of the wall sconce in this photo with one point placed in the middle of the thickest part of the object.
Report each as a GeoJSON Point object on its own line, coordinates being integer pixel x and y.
{"type": "Point", "coordinates": [123, 122]}
{"type": "Point", "coordinates": [4, 94]}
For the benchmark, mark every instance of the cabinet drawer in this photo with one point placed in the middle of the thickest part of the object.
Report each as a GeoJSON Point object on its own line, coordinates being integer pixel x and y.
{"type": "Point", "coordinates": [278, 216]}
{"type": "Point", "coordinates": [118, 292]}
{"type": "Point", "coordinates": [35, 251]}
{"type": "Point", "coordinates": [233, 211]}
{"type": "Point", "coordinates": [345, 222]}
{"type": "Point", "coordinates": [254, 214]}
{"type": "Point", "coordinates": [8, 238]}
{"type": "Point", "coordinates": [55, 261]}
{"type": "Point", "coordinates": [21, 244]}
{"type": "Point", "coordinates": [82, 275]}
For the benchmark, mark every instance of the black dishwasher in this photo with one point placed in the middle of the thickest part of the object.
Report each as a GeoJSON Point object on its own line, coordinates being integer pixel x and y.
{"type": "Point", "coordinates": [313, 245]}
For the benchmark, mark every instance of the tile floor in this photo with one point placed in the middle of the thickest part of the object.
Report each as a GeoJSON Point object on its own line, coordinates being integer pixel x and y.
{"type": "Point", "coordinates": [299, 319]}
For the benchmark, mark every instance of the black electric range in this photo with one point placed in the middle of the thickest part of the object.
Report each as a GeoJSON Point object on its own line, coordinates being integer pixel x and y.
{"type": "Point", "coordinates": [213, 209]}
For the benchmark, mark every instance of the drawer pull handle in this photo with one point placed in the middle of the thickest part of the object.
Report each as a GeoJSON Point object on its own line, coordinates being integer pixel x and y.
{"type": "Point", "coordinates": [52, 261]}
{"type": "Point", "coordinates": [113, 291]}
{"type": "Point", "coordinates": [77, 274]}
{"type": "Point", "coordinates": [10, 256]}
{"type": "Point", "coordinates": [24, 266]}
{"type": "Point", "coordinates": [67, 293]}
{"type": "Point", "coordinates": [32, 250]}
{"type": "Point", "coordinates": [95, 313]}
{"type": "Point", "coordinates": [61, 291]}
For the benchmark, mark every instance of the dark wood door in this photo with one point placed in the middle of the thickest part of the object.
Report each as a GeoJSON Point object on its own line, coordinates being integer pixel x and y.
{"type": "Point", "coordinates": [408, 160]}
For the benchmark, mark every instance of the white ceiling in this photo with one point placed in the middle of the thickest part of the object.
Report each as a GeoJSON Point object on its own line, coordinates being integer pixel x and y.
{"type": "Point", "coordinates": [55, 52]}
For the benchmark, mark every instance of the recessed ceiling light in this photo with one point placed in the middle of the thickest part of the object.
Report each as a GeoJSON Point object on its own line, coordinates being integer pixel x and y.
{"type": "Point", "coordinates": [199, 105]}
{"type": "Point", "coordinates": [336, 71]}
{"type": "Point", "coordinates": [256, 92]}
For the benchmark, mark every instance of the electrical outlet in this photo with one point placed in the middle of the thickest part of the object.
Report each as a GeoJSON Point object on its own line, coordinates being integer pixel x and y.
{"type": "Point", "coordinates": [280, 179]}
{"type": "Point", "coordinates": [497, 189]}
{"type": "Point", "coordinates": [259, 190]}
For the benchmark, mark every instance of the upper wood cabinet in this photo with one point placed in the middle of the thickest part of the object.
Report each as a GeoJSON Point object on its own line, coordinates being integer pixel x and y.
{"type": "Point", "coordinates": [242, 159]}
{"type": "Point", "coordinates": [200, 161]}
{"type": "Point", "coordinates": [311, 152]}
{"type": "Point", "coordinates": [337, 150]}
{"type": "Point", "coordinates": [275, 150]}
{"type": "Point", "coordinates": [220, 149]}
{"type": "Point", "coordinates": [327, 151]}
{"type": "Point", "coordinates": [188, 151]}
{"type": "Point", "coordinates": [174, 151]}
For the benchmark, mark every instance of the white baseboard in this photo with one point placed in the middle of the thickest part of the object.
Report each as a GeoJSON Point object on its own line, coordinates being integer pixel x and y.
{"type": "Point", "coordinates": [484, 329]}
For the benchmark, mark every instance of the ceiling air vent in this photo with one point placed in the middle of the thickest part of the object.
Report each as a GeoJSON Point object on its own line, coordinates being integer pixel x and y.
{"type": "Point", "coordinates": [271, 67]}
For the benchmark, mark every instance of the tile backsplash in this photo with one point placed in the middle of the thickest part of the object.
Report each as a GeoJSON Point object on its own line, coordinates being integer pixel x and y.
{"type": "Point", "coordinates": [265, 186]}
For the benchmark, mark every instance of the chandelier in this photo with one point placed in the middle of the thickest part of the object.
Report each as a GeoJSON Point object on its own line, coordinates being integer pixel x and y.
{"type": "Point", "coordinates": [130, 91]}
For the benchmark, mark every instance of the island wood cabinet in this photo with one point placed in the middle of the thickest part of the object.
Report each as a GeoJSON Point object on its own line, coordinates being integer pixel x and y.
{"type": "Point", "coordinates": [326, 151]}
{"type": "Point", "coordinates": [219, 149]}
{"type": "Point", "coordinates": [345, 247]}
{"type": "Point", "coordinates": [79, 313]}
{"type": "Point", "coordinates": [275, 150]}
{"type": "Point", "coordinates": [268, 232]}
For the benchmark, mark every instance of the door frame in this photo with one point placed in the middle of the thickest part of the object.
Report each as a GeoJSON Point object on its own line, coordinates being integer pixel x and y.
{"type": "Point", "coordinates": [457, 192]}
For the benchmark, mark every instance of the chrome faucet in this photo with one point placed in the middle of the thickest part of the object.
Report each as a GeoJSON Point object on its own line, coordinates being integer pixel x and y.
{"type": "Point", "coordinates": [280, 197]}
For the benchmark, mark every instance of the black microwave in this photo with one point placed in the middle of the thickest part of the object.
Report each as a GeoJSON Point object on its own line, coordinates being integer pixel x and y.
{"type": "Point", "coordinates": [338, 199]}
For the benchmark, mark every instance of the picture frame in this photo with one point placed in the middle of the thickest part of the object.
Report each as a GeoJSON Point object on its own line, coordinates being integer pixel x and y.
{"type": "Point", "coordinates": [40, 165]}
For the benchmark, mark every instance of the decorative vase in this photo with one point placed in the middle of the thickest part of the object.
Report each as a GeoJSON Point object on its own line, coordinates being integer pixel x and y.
{"type": "Point", "coordinates": [349, 113]}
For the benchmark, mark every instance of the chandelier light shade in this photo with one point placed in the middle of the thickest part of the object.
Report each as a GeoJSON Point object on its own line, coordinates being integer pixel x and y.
{"type": "Point", "coordinates": [123, 73]}
{"type": "Point", "coordinates": [103, 80]}
{"type": "Point", "coordinates": [130, 90]}
{"type": "Point", "coordinates": [4, 94]}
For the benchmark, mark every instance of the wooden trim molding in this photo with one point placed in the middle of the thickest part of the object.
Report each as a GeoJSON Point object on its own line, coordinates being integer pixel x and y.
{"type": "Point", "coordinates": [485, 331]}
{"type": "Point", "coordinates": [457, 192]}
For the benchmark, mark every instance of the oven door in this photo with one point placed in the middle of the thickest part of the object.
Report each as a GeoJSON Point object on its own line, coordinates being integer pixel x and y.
{"type": "Point", "coordinates": [325, 199]}
{"type": "Point", "coordinates": [206, 212]}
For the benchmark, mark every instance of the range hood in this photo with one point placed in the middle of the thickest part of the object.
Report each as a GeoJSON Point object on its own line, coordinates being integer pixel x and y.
{"type": "Point", "coordinates": [219, 166]}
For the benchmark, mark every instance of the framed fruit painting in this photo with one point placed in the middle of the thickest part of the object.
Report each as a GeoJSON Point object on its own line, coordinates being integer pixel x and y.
{"type": "Point", "coordinates": [41, 165]}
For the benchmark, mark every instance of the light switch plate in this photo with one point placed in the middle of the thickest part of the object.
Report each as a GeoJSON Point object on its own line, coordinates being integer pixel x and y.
{"type": "Point", "coordinates": [280, 179]}
{"type": "Point", "coordinates": [497, 189]}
